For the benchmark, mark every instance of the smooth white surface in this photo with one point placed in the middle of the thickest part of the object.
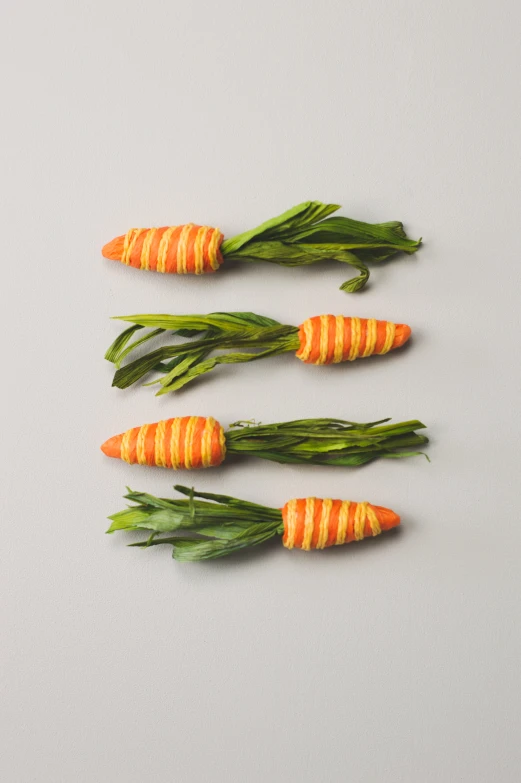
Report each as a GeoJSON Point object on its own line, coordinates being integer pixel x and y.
{"type": "Point", "coordinates": [394, 660]}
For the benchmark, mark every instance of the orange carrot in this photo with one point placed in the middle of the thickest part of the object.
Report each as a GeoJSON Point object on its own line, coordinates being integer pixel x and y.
{"type": "Point", "coordinates": [330, 339]}
{"type": "Point", "coordinates": [312, 523]}
{"type": "Point", "coordinates": [183, 442]}
{"type": "Point", "coordinates": [196, 442]}
{"type": "Point", "coordinates": [186, 249]}
{"type": "Point", "coordinates": [305, 234]}
{"type": "Point", "coordinates": [244, 337]}
{"type": "Point", "coordinates": [225, 525]}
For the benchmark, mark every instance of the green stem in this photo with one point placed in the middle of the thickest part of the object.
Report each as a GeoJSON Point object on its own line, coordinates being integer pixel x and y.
{"type": "Point", "coordinates": [217, 526]}
{"type": "Point", "coordinates": [307, 235]}
{"type": "Point", "coordinates": [242, 337]}
{"type": "Point", "coordinates": [325, 441]}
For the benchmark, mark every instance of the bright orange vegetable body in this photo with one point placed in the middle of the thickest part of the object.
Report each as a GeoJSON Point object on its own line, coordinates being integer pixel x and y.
{"type": "Point", "coordinates": [186, 249]}
{"type": "Point", "coordinates": [330, 339]}
{"type": "Point", "coordinates": [182, 442]}
{"type": "Point", "coordinates": [312, 523]}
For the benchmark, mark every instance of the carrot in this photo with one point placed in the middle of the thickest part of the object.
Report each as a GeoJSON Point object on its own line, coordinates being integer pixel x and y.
{"type": "Point", "coordinates": [303, 235]}
{"type": "Point", "coordinates": [187, 249]}
{"type": "Point", "coordinates": [198, 442]}
{"type": "Point", "coordinates": [185, 442]}
{"type": "Point", "coordinates": [311, 523]}
{"type": "Point", "coordinates": [224, 525]}
{"type": "Point", "coordinates": [329, 339]}
{"type": "Point", "coordinates": [245, 337]}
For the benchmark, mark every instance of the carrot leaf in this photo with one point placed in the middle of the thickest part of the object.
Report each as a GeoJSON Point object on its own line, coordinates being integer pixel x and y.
{"type": "Point", "coordinates": [217, 525]}
{"type": "Point", "coordinates": [306, 235]}
{"type": "Point", "coordinates": [237, 337]}
{"type": "Point", "coordinates": [326, 441]}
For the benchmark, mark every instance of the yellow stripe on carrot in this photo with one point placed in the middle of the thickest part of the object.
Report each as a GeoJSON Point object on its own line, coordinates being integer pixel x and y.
{"type": "Point", "coordinates": [291, 523]}
{"type": "Point", "coordinates": [355, 339]}
{"type": "Point", "coordinates": [137, 233]}
{"type": "Point", "coordinates": [145, 250]}
{"type": "Point", "coordinates": [373, 520]}
{"type": "Point", "coordinates": [343, 518]}
{"type": "Point", "coordinates": [390, 332]}
{"type": "Point", "coordinates": [206, 442]}
{"type": "Point", "coordinates": [324, 341]}
{"type": "Point", "coordinates": [159, 445]}
{"type": "Point", "coordinates": [339, 339]}
{"type": "Point", "coordinates": [323, 528]}
{"type": "Point", "coordinates": [359, 521]}
{"type": "Point", "coordinates": [174, 443]}
{"type": "Point", "coordinates": [126, 242]}
{"type": "Point", "coordinates": [189, 436]}
{"type": "Point", "coordinates": [125, 446]}
{"type": "Point", "coordinates": [222, 441]}
{"type": "Point", "coordinates": [162, 250]}
{"type": "Point", "coordinates": [213, 247]}
{"type": "Point", "coordinates": [140, 445]}
{"type": "Point", "coordinates": [308, 524]}
{"type": "Point", "coordinates": [308, 331]}
{"type": "Point", "coordinates": [370, 337]}
{"type": "Point", "coordinates": [198, 250]}
{"type": "Point", "coordinates": [181, 249]}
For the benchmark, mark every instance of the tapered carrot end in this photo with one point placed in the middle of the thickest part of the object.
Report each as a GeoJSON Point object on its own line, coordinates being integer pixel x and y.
{"type": "Point", "coordinates": [114, 249]}
{"type": "Point", "coordinates": [387, 518]}
{"type": "Point", "coordinates": [403, 332]}
{"type": "Point", "coordinates": [112, 446]}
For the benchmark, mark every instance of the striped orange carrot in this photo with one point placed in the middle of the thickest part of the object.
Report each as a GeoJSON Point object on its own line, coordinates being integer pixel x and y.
{"type": "Point", "coordinates": [312, 523]}
{"type": "Point", "coordinates": [198, 442]}
{"type": "Point", "coordinates": [225, 525]}
{"type": "Point", "coordinates": [330, 339]}
{"type": "Point", "coordinates": [303, 235]}
{"type": "Point", "coordinates": [182, 442]}
{"type": "Point", "coordinates": [245, 337]}
{"type": "Point", "coordinates": [186, 249]}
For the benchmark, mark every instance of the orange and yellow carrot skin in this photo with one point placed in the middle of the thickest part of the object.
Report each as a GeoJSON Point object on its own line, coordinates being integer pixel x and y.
{"type": "Point", "coordinates": [182, 442]}
{"type": "Point", "coordinates": [181, 250]}
{"type": "Point", "coordinates": [330, 339]}
{"type": "Point", "coordinates": [312, 523]}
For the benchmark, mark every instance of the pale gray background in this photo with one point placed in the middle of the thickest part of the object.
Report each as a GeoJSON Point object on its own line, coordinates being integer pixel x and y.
{"type": "Point", "coordinates": [394, 660]}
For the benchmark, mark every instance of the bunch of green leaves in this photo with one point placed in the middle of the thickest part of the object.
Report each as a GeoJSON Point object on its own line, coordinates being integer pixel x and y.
{"type": "Point", "coordinates": [215, 526]}
{"type": "Point", "coordinates": [254, 335]}
{"type": "Point", "coordinates": [306, 235]}
{"type": "Point", "coordinates": [326, 441]}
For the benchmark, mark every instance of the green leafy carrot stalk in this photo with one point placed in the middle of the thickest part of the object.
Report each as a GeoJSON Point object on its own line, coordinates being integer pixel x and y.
{"type": "Point", "coordinates": [305, 234]}
{"type": "Point", "coordinates": [193, 442]}
{"type": "Point", "coordinates": [203, 526]}
{"type": "Point", "coordinates": [326, 441]}
{"type": "Point", "coordinates": [241, 337]}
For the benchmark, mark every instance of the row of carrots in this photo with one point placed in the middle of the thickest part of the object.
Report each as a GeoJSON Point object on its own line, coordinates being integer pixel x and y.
{"type": "Point", "coordinates": [193, 442]}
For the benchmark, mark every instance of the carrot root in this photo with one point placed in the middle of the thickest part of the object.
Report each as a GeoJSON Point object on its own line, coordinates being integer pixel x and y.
{"type": "Point", "coordinates": [330, 339]}
{"type": "Point", "coordinates": [313, 523]}
{"type": "Point", "coordinates": [183, 442]}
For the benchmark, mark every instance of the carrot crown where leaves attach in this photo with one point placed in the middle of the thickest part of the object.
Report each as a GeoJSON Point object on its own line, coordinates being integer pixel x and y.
{"type": "Point", "coordinates": [207, 526]}
{"type": "Point", "coordinates": [243, 337]}
{"type": "Point", "coordinates": [198, 442]}
{"type": "Point", "coordinates": [303, 235]}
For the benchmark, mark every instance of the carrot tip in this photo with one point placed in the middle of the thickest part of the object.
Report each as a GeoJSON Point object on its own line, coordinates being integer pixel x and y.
{"type": "Point", "coordinates": [112, 446]}
{"type": "Point", "coordinates": [387, 518]}
{"type": "Point", "coordinates": [403, 332]}
{"type": "Point", "coordinates": [113, 249]}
